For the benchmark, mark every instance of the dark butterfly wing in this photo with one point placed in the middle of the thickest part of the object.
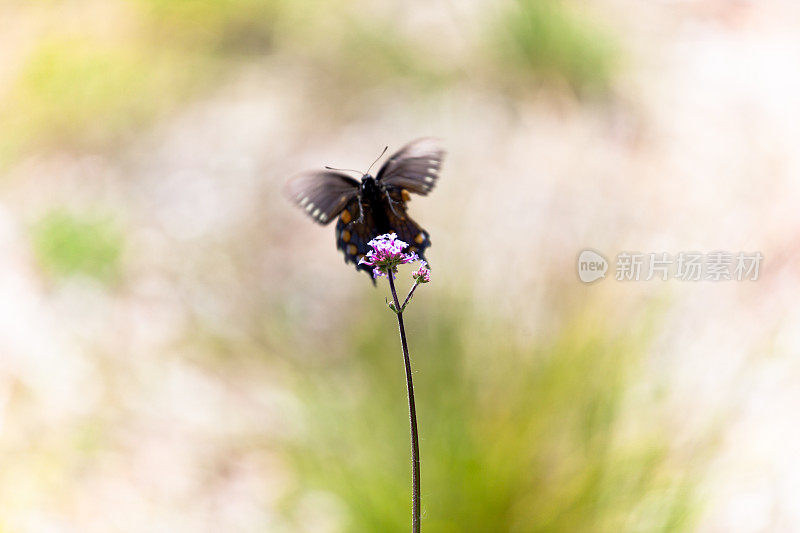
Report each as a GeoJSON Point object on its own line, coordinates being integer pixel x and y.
{"type": "Point", "coordinates": [353, 232]}
{"type": "Point", "coordinates": [415, 167]}
{"type": "Point", "coordinates": [322, 194]}
{"type": "Point", "coordinates": [407, 230]}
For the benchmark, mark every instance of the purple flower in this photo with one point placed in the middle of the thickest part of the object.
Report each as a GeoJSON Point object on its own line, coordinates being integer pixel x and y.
{"type": "Point", "coordinates": [386, 254]}
{"type": "Point", "coordinates": [423, 275]}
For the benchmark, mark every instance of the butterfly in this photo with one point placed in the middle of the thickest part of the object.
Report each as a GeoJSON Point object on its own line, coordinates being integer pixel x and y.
{"type": "Point", "coordinates": [375, 205]}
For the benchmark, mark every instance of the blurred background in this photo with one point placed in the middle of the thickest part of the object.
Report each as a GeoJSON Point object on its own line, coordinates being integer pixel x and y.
{"type": "Point", "coordinates": [183, 350]}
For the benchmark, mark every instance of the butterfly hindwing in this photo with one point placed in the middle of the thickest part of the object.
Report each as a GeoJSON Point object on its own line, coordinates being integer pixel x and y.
{"type": "Point", "coordinates": [406, 228]}
{"type": "Point", "coordinates": [353, 232]}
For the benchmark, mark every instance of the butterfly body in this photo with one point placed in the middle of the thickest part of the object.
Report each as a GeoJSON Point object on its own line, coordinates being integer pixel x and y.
{"type": "Point", "coordinates": [375, 205]}
{"type": "Point", "coordinates": [372, 199]}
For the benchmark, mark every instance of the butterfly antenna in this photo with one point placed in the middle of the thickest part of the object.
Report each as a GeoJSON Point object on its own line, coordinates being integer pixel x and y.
{"type": "Point", "coordinates": [379, 157]}
{"type": "Point", "coordinates": [344, 169]}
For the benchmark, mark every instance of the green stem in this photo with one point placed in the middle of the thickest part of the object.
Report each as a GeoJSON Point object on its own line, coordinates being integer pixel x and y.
{"type": "Point", "coordinates": [412, 412]}
{"type": "Point", "coordinates": [410, 294]}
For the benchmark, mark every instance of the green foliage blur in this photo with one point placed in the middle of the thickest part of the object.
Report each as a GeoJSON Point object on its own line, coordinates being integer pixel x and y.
{"type": "Point", "coordinates": [67, 244]}
{"type": "Point", "coordinates": [518, 436]}
{"type": "Point", "coordinates": [92, 90]}
{"type": "Point", "coordinates": [549, 39]}
{"type": "Point", "coordinates": [213, 26]}
{"type": "Point", "coordinates": [73, 92]}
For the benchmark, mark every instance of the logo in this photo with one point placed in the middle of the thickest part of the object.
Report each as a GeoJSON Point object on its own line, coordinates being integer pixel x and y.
{"type": "Point", "coordinates": [591, 266]}
{"type": "Point", "coordinates": [684, 266]}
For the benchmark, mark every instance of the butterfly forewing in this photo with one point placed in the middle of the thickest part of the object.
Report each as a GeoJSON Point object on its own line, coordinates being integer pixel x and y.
{"type": "Point", "coordinates": [415, 167]}
{"type": "Point", "coordinates": [322, 195]}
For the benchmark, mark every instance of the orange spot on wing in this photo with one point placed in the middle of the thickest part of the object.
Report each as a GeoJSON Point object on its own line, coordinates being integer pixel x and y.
{"type": "Point", "coordinates": [346, 216]}
{"type": "Point", "coordinates": [346, 235]}
{"type": "Point", "coordinates": [404, 194]}
{"type": "Point", "coordinates": [420, 238]}
{"type": "Point", "coordinates": [351, 249]}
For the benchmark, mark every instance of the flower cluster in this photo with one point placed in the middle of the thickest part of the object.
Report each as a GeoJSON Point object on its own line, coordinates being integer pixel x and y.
{"type": "Point", "coordinates": [386, 254]}
{"type": "Point", "coordinates": [423, 275]}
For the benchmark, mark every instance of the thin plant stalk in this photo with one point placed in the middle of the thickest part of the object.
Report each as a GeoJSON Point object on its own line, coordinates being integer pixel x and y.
{"type": "Point", "coordinates": [385, 256]}
{"type": "Point", "coordinates": [412, 410]}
